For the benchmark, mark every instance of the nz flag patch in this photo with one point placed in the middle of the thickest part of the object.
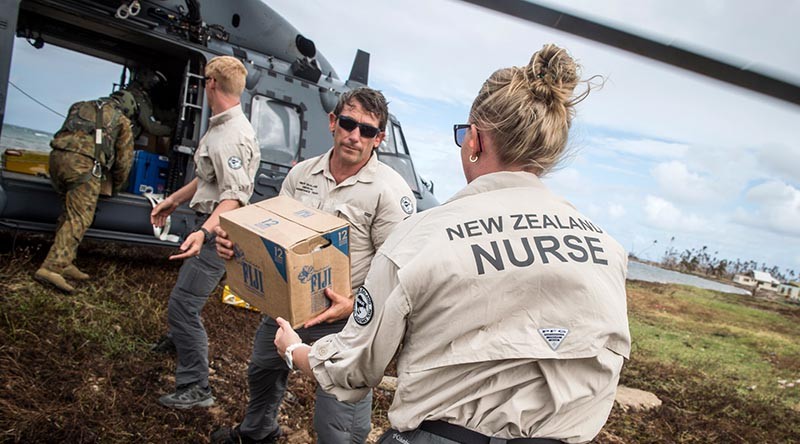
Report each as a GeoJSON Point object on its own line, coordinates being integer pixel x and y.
{"type": "Point", "coordinates": [234, 162]}
{"type": "Point", "coordinates": [553, 336]}
{"type": "Point", "coordinates": [363, 309]}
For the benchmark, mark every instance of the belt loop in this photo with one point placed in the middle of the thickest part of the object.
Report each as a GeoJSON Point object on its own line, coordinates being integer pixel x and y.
{"type": "Point", "coordinates": [493, 440]}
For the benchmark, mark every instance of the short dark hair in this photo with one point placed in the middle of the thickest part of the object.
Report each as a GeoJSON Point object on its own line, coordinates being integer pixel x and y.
{"type": "Point", "coordinates": [370, 99]}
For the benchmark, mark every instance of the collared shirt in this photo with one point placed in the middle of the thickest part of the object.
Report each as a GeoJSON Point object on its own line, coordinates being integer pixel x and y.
{"type": "Point", "coordinates": [226, 161]}
{"type": "Point", "coordinates": [510, 306]}
{"type": "Point", "coordinates": [373, 201]}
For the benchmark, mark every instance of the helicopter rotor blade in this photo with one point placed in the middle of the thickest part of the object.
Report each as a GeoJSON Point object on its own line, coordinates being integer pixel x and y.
{"type": "Point", "coordinates": [666, 53]}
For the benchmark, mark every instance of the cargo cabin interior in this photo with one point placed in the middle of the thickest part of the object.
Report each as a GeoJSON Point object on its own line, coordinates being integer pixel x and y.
{"type": "Point", "coordinates": [59, 55]}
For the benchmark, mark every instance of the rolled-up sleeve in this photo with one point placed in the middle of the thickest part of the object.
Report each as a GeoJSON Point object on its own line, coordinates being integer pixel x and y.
{"type": "Point", "coordinates": [232, 168]}
{"type": "Point", "coordinates": [352, 361]}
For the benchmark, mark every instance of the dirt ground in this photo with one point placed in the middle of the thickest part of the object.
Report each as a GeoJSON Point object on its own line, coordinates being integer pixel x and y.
{"type": "Point", "coordinates": [77, 368]}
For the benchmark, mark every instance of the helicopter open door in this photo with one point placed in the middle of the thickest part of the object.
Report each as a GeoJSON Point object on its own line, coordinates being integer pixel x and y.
{"type": "Point", "coordinates": [8, 25]}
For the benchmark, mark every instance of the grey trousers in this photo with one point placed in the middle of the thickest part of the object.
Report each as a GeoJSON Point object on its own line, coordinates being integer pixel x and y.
{"type": "Point", "coordinates": [197, 278]}
{"type": "Point", "coordinates": [334, 421]}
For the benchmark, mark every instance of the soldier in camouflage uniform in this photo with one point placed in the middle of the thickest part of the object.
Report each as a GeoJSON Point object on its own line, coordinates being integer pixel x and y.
{"type": "Point", "coordinates": [85, 163]}
{"type": "Point", "coordinates": [143, 82]}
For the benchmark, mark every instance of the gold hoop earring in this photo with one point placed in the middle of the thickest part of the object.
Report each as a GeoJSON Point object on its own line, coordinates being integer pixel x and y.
{"type": "Point", "coordinates": [473, 158]}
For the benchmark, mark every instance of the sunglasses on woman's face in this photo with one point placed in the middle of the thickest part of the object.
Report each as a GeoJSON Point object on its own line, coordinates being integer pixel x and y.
{"type": "Point", "coordinates": [350, 124]}
{"type": "Point", "coordinates": [460, 132]}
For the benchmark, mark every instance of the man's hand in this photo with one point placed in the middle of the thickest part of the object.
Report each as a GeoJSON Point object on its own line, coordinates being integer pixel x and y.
{"type": "Point", "coordinates": [285, 336]}
{"type": "Point", "coordinates": [158, 217]}
{"type": "Point", "coordinates": [224, 245]}
{"type": "Point", "coordinates": [191, 246]}
{"type": "Point", "coordinates": [341, 307]}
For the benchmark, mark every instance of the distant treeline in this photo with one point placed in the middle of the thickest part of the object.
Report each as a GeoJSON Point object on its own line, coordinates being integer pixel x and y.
{"type": "Point", "coordinates": [704, 262]}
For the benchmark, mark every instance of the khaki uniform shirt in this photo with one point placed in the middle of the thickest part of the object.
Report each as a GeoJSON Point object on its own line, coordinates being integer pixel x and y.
{"type": "Point", "coordinates": [373, 201]}
{"type": "Point", "coordinates": [226, 161]}
{"type": "Point", "coordinates": [510, 306]}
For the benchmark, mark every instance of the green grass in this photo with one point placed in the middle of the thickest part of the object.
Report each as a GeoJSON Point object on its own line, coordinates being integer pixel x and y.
{"type": "Point", "coordinates": [719, 337]}
{"type": "Point", "coordinates": [112, 325]}
{"type": "Point", "coordinates": [76, 368]}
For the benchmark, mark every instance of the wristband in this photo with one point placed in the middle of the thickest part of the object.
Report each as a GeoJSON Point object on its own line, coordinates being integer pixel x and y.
{"type": "Point", "coordinates": [206, 235]}
{"type": "Point", "coordinates": [288, 354]}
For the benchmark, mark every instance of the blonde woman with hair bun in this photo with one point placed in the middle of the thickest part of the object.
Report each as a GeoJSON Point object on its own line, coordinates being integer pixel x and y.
{"type": "Point", "coordinates": [508, 302]}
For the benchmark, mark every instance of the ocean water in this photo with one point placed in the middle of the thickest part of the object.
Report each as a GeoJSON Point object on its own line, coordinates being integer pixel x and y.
{"type": "Point", "coordinates": [17, 137]}
{"type": "Point", "coordinates": [649, 273]}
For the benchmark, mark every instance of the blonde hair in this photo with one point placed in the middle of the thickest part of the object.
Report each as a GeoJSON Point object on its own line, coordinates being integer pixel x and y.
{"type": "Point", "coordinates": [528, 110]}
{"type": "Point", "coordinates": [229, 72]}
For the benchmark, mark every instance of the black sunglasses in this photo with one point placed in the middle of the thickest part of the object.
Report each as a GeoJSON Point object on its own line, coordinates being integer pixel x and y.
{"type": "Point", "coordinates": [350, 124]}
{"type": "Point", "coordinates": [460, 132]}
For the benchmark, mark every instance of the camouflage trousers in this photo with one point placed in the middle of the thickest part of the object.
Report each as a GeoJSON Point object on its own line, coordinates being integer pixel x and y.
{"type": "Point", "coordinates": [79, 199]}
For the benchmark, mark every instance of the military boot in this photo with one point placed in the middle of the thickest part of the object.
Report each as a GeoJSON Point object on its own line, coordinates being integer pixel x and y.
{"type": "Point", "coordinates": [73, 272]}
{"type": "Point", "coordinates": [46, 276]}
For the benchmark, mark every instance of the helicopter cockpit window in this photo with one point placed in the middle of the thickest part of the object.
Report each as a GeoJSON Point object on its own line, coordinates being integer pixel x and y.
{"type": "Point", "coordinates": [398, 139]}
{"type": "Point", "coordinates": [388, 145]}
{"type": "Point", "coordinates": [392, 151]}
{"type": "Point", "coordinates": [277, 127]}
{"type": "Point", "coordinates": [402, 164]}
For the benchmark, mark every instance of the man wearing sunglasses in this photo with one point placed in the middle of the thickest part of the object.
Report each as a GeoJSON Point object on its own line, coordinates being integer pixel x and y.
{"type": "Point", "coordinates": [347, 181]}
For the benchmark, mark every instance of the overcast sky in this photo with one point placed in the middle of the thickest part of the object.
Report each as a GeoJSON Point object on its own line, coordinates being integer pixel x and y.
{"type": "Point", "coordinates": [657, 152]}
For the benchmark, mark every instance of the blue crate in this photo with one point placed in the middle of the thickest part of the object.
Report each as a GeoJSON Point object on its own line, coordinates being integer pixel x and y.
{"type": "Point", "coordinates": [148, 173]}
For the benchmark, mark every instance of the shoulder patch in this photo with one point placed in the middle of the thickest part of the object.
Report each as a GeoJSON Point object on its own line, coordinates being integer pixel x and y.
{"type": "Point", "coordinates": [553, 336]}
{"type": "Point", "coordinates": [234, 162]}
{"type": "Point", "coordinates": [406, 205]}
{"type": "Point", "coordinates": [363, 308]}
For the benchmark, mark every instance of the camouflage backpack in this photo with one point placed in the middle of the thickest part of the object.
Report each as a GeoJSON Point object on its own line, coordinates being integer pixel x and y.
{"type": "Point", "coordinates": [78, 133]}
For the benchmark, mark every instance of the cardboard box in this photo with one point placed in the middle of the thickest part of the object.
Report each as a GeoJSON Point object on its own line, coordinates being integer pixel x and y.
{"type": "Point", "coordinates": [145, 142]}
{"type": "Point", "coordinates": [285, 255]}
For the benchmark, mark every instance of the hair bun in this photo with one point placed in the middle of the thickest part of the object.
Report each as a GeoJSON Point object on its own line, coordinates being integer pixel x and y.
{"type": "Point", "coordinates": [552, 75]}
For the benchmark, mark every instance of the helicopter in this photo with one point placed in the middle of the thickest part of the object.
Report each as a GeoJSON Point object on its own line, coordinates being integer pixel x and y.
{"type": "Point", "coordinates": [290, 89]}
{"type": "Point", "coordinates": [176, 36]}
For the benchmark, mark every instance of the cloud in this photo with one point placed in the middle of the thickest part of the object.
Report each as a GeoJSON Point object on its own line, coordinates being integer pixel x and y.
{"type": "Point", "coordinates": [678, 183]}
{"type": "Point", "coordinates": [662, 214]}
{"type": "Point", "coordinates": [776, 208]}
{"type": "Point", "coordinates": [603, 214]}
{"type": "Point", "coordinates": [619, 170]}
{"type": "Point", "coordinates": [566, 181]}
{"type": "Point", "coordinates": [616, 211]}
{"type": "Point", "coordinates": [436, 158]}
{"type": "Point", "coordinates": [663, 22]}
{"type": "Point", "coordinates": [782, 160]}
{"type": "Point", "coordinates": [648, 148]}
